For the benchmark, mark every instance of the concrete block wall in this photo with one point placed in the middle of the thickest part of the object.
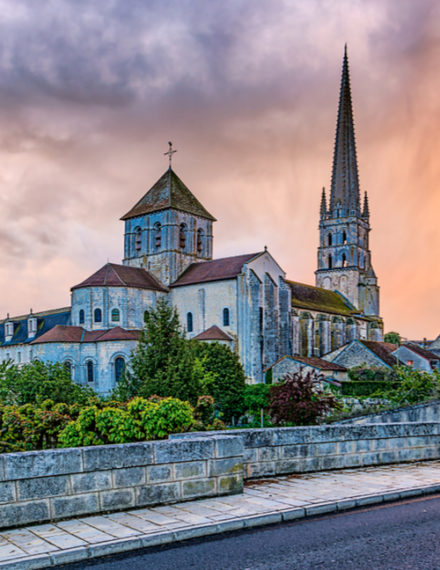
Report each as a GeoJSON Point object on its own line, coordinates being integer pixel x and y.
{"type": "Point", "coordinates": [280, 451]}
{"type": "Point", "coordinates": [39, 486]}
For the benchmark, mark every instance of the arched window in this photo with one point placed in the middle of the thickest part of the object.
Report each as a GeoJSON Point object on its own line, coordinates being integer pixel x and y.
{"type": "Point", "coordinates": [182, 236]}
{"type": "Point", "coordinates": [344, 237]}
{"type": "Point", "coordinates": [226, 319]}
{"type": "Point", "coordinates": [200, 236]}
{"type": "Point", "coordinates": [329, 261]}
{"type": "Point", "coordinates": [116, 315]}
{"type": "Point", "coordinates": [344, 260]}
{"type": "Point", "coordinates": [137, 239]}
{"type": "Point", "coordinates": [157, 235]}
{"type": "Point", "coordinates": [90, 371]}
{"type": "Point", "coordinates": [97, 316]}
{"type": "Point", "coordinates": [189, 322]}
{"type": "Point", "coordinates": [119, 368]}
{"type": "Point", "coordinates": [329, 239]}
{"type": "Point", "coordinates": [68, 367]}
{"type": "Point", "coordinates": [81, 317]}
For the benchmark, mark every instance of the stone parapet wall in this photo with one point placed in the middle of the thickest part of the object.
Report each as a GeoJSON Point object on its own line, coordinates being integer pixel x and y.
{"type": "Point", "coordinates": [281, 451]}
{"type": "Point", "coordinates": [48, 485]}
{"type": "Point", "coordinates": [426, 412]}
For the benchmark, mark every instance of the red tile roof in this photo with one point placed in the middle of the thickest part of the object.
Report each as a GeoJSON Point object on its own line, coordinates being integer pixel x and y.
{"type": "Point", "coordinates": [215, 270]}
{"type": "Point", "coordinates": [213, 333]}
{"type": "Point", "coordinates": [319, 363]}
{"type": "Point", "coordinates": [382, 349]}
{"type": "Point", "coordinates": [421, 351]}
{"type": "Point", "coordinates": [168, 192]}
{"type": "Point", "coordinates": [62, 333]}
{"type": "Point", "coordinates": [114, 275]}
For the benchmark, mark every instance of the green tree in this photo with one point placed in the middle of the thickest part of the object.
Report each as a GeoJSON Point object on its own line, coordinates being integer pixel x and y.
{"type": "Point", "coordinates": [393, 337]}
{"type": "Point", "coordinates": [38, 381]}
{"type": "Point", "coordinates": [163, 362]}
{"type": "Point", "coordinates": [223, 377]}
{"type": "Point", "coordinates": [414, 386]}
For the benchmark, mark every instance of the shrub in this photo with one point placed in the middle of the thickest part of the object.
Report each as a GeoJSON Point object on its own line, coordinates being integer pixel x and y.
{"type": "Point", "coordinates": [298, 401]}
{"type": "Point", "coordinates": [366, 388]}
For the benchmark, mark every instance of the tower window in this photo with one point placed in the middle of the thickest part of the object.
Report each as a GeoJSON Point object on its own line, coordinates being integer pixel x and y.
{"type": "Point", "coordinates": [90, 371]}
{"type": "Point", "coordinates": [329, 239]}
{"type": "Point", "coordinates": [119, 368]}
{"type": "Point", "coordinates": [344, 237]}
{"type": "Point", "coordinates": [182, 236]}
{"type": "Point", "coordinates": [226, 319]}
{"type": "Point", "coordinates": [138, 239]}
{"type": "Point", "coordinates": [115, 315]}
{"type": "Point", "coordinates": [81, 317]}
{"type": "Point", "coordinates": [200, 236]}
{"type": "Point", "coordinates": [97, 316]}
{"type": "Point", "coordinates": [189, 322]}
{"type": "Point", "coordinates": [344, 260]}
{"type": "Point", "coordinates": [157, 235]}
{"type": "Point", "coordinates": [329, 261]}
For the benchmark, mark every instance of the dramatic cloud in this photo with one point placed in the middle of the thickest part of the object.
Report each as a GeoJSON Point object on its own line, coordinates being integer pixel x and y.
{"type": "Point", "coordinates": [90, 93]}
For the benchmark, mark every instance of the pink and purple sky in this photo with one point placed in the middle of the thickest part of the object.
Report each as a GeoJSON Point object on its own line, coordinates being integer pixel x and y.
{"type": "Point", "coordinates": [91, 92]}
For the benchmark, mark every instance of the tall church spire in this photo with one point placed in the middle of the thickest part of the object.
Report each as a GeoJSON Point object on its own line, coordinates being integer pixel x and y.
{"type": "Point", "coordinates": [323, 208]}
{"type": "Point", "coordinates": [344, 196]}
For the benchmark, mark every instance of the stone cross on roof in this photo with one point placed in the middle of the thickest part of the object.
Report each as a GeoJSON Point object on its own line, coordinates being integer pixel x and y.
{"type": "Point", "coordinates": [170, 152]}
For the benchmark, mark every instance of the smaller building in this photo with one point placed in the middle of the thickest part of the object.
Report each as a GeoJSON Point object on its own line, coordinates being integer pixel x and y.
{"type": "Point", "coordinates": [293, 364]}
{"type": "Point", "coordinates": [364, 353]}
{"type": "Point", "coordinates": [417, 357]}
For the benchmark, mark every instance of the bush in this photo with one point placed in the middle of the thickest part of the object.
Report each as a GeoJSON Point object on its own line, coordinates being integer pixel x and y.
{"type": "Point", "coordinates": [298, 401]}
{"type": "Point", "coordinates": [366, 388]}
{"type": "Point", "coordinates": [141, 420]}
{"type": "Point", "coordinates": [256, 397]}
{"type": "Point", "coordinates": [371, 374]}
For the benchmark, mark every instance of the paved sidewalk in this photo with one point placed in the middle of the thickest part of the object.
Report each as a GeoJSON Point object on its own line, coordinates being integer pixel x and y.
{"type": "Point", "coordinates": [263, 502]}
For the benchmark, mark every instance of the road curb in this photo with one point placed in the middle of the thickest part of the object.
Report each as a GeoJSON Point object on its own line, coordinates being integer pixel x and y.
{"type": "Point", "coordinates": [119, 546]}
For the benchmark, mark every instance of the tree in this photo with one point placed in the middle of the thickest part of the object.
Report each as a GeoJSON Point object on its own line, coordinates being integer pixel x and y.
{"type": "Point", "coordinates": [38, 381]}
{"type": "Point", "coordinates": [163, 363]}
{"type": "Point", "coordinates": [224, 377]}
{"type": "Point", "coordinates": [393, 337]}
{"type": "Point", "coordinates": [414, 386]}
{"type": "Point", "coordinates": [298, 400]}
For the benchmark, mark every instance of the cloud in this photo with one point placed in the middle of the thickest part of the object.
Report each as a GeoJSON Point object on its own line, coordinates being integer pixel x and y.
{"type": "Point", "coordinates": [91, 92]}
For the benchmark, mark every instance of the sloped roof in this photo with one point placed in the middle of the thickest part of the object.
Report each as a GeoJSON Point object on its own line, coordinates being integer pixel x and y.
{"type": "Point", "coordinates": [382, 350]}
{"type": "Point", "coordinates": [215, 270]}
{"type": "Point", "coordinates": [46, 320]}
{"type": "Point", "coordinates": [168, 192]}
{"type": "Point", "coordinates": [313, 361]}
{"type": "Point", "coordinates": [319, 299]}
{"type": "Point", "coordinates": [319, 363]}
{"type": "Point", "coordinates": [61, 333]}
{"type": "Point", "coordinates": [421, 351]}
{"type": "Point", "coordinates": [114, 275]}
{"type": "Point", "coordinates": [213, 333]}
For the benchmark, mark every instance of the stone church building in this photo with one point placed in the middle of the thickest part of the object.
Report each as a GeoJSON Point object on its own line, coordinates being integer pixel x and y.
{"type": "Point", "coordinates": [245, 301]}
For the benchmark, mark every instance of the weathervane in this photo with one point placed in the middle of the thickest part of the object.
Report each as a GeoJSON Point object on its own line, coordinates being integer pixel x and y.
{"type": "Point", "coordinates": [170, 152]}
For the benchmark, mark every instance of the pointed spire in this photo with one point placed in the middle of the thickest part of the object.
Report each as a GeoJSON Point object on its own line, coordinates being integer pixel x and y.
{"type": "Point", "coordinates": [323, 208]}
{"type": "Point", "coordinates": [345, 181]}
{"type": "Point", "coordinates": [366, 209]}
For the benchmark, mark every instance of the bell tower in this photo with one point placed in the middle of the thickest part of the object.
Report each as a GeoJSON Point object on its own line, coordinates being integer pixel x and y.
{"type": "Point", "coordinates": [344, 257]}
{"type": "Point", "coordinates": [168, 229]}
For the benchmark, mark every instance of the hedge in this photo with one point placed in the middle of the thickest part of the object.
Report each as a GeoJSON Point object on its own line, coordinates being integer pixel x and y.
{"type": "Point", "coordinates": [366, 387]}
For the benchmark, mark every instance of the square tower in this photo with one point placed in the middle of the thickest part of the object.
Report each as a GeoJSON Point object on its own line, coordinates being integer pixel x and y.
{"type": "Point", "coordinates": [167, 230]}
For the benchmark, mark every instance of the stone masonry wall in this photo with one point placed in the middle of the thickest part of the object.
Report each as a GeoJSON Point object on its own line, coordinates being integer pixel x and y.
{"type": "Point", "coordinates": [280, 451]}
{"type": "Point", "coordinates": [427, 412]}
{"type": "Point", "coordinates": [39, 486]}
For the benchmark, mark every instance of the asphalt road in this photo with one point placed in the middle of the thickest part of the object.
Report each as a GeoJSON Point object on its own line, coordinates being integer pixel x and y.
{"type": "Point", "coordinates": [400, 536]}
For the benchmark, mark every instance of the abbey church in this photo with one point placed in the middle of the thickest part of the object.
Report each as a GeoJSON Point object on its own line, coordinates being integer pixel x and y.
{"type": "Point", "coordinates": [245, 301]}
